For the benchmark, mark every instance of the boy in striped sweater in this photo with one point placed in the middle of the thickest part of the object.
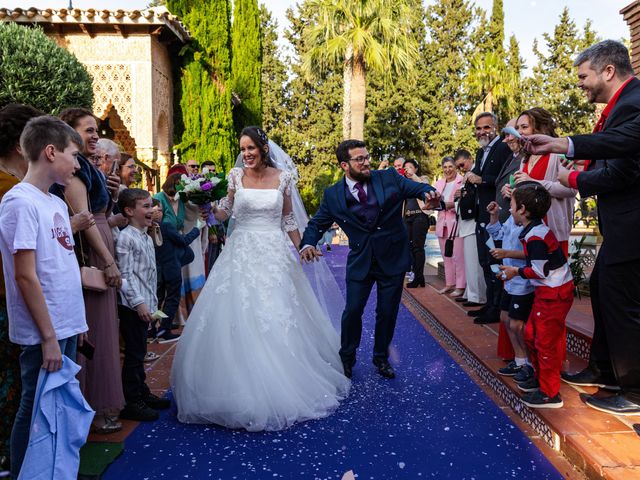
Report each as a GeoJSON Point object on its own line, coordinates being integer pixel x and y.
{"type": "Point", "coordinates": [548, 271]}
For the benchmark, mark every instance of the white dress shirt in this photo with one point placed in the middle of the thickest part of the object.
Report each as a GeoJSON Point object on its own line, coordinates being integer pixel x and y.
{"type": "Point", "coordinates": [352, 187]}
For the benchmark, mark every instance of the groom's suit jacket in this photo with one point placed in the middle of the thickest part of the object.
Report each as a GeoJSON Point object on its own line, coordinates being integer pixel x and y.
{"type": "Point", "coordinates": [384, 240]}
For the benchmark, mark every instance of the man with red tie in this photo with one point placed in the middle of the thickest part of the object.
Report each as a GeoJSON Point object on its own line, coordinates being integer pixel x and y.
{"type": "Point", "coordinates": [606, 76]}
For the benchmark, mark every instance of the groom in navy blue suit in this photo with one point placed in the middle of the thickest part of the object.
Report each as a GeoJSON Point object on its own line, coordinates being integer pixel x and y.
{"type": "Point", "coordinates": [368, 207]}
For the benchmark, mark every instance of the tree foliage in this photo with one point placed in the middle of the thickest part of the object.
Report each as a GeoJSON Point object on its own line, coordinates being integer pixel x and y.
{"type": "Point", "coordinates": [359, 36]}
{"type": "Point", "coordinates": [453, 29]}
{"type": "Point", "coordinates": [311, 129]}
{"type": "Point", "coordinates": [246, 63]}
{"type": "Point", "coordinates": [397, 110]}
{"type": "Point", "coordinates": [554, 82]}
{"type": "Point", "coordinates": [36, 71]}
{"type": "Point", "coordinates": [274, 79]}
{"type": "Point", "coordinates": [496, 28]}
{"type": "Point", "coordinates": [207, 131]}
{"type": "Point", "coordinates": [423, 116]}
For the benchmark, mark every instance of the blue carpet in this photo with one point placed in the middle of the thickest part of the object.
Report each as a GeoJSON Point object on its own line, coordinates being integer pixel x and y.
{"type": "Point", "coordinates": [432, 421]}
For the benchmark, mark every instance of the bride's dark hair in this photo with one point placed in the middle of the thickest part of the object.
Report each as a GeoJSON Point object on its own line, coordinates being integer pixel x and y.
{"type": "Point", "coordinates": [257, 135]}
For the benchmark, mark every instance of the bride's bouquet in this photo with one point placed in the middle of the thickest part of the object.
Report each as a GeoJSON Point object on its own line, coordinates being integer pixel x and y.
{"type": "Point", "coordinates": [202, 188]}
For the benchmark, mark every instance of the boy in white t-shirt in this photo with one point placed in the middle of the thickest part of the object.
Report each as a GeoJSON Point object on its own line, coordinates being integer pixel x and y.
{"type": "Point", "coordinates": [44, 292]}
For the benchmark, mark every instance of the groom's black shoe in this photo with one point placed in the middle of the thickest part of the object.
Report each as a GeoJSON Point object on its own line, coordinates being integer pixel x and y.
{"type": "Point", "coordinates": [348, 369]}
{"type": "Point", "coordinates": [384, 368]}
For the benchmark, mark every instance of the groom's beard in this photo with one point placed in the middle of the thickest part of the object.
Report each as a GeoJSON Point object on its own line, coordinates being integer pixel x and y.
{"type": "Point", "coordinates": [359, 176]}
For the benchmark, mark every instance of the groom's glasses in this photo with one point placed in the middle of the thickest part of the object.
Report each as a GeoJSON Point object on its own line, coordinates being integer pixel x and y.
{"type": "Point", "coordinates": [361, 160]}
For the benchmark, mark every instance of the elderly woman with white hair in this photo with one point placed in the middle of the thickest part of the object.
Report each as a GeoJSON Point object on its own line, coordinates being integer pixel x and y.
{"type": "Point", "coordinates": [107, 156]}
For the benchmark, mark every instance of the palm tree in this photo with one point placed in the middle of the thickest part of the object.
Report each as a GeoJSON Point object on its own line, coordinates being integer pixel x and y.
{"type": "Point", "coordinates": [361, 35]}
{"type": "Point", "coordinates": [490, 80]}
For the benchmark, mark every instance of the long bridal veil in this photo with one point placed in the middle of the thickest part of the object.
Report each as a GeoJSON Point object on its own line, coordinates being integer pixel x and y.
{"type": "Point", "coordinates": [322, 280]}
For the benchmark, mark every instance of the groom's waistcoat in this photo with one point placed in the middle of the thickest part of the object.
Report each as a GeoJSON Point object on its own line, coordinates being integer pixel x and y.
{"type": "Point", "coordinates": [368, 212]}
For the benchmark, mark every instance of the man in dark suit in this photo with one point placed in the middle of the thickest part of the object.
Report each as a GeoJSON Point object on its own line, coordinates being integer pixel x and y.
{"type": "Point", "coordinates": [367, 205]}
{"type": "Point", "coordinates": [606, 76]}
{"type": "Point", "coordinates": [490, 158]}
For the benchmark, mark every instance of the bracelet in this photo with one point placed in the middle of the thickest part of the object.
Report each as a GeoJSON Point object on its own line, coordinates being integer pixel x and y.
{"type": "Point", "coordinates": [110, 265]}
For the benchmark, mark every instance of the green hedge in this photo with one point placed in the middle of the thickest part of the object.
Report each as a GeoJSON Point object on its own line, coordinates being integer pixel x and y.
{"type": "Point", "coordinates": [35, 71]}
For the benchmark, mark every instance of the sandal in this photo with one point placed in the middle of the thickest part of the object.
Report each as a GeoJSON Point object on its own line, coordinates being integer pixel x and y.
{"type": "Point", "coordinates": [446, 289]}
{"type": "Point", "coordinates": [151, 357]}
{"type": "Point", "coordinates": [456, 293]}
{"type": "Point", "coordinates": [110, 426]}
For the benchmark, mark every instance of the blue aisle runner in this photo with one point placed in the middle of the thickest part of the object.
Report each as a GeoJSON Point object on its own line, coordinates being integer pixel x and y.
{"type": "Point", "coordinates": [432, 421]}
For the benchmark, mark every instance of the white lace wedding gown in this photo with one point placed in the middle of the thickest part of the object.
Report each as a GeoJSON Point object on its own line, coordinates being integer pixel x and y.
{"type": "Point", "coordinates": [257, 352]}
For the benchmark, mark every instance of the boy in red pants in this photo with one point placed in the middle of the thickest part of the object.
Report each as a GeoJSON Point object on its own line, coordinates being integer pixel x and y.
{"type": "Point", "coordinates": [549, 273]}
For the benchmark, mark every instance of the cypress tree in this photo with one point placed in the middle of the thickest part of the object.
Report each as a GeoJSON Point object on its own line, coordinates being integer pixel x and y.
{"type": "Point", "coordinates": [205, 93]}
{"type": "Point", "coordinates": [515, 65]}
{"type": "Point", "coordinates": [274, 79]}
{"type": "Point", "coordinates": [246, 63]}
{"type": "Point", "coordinates": [496, 27]}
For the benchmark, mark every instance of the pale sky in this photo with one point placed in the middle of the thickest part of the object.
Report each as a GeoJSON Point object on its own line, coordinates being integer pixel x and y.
{"type": "Point", "coordinates": [527, 19]}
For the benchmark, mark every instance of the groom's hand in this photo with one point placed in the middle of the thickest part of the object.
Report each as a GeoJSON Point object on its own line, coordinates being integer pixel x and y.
{"type": "Point", "coordinates": [432, 200]}
{"type": "Point", "coordinates": [309, 254]}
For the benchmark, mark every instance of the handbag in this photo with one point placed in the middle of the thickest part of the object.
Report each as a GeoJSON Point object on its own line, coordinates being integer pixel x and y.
{"type": "Point", "coordinates": [91, 278]}
{"type": "Point", "coordinates": [448, 243]}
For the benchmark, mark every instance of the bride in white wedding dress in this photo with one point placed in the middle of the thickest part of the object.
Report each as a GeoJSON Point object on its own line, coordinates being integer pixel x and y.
{"type": "Point", "coordinates": [258, 351]}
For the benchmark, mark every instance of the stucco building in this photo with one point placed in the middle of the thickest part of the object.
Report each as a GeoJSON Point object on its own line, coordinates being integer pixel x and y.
{"type": "Point", "coordinates": [131, 56]}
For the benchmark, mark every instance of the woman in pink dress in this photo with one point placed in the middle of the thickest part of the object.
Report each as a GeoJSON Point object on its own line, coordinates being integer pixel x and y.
{"type": "Point", "coordinates": [446, 226]}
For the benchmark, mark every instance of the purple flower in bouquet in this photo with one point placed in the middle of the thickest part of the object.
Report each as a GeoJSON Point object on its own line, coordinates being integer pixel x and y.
{"type": "Point", "coordinates": [202, 188]}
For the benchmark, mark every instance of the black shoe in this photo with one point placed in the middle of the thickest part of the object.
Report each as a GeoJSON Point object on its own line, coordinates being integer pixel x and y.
{"type": "Point", "coordinates": [385, 369]}
{"type": "Point", "coordinates": [590, 378]}
{"type": "Point", "coordinates": [530, 385]}
{"type": "Point", "coordinates": [510, 370]}
{"type": "Point", "coordinates": [415, 284]}
{"type": "Point", "coordinates": [479, 312]}
{"type": "Point", "coordinates": [524, 375]}
{"type": "Point", "coordinates": [466, 303]}
{"type": "Point", "coordinates": [539, 399]}
{"type": "Point", "coordinates": [486, 319]}
{"type": "Point", "coordinates": [139, 411]}
{"type": "Point", "coordinates": [616, 404]}
{"type": "Point", "coordinates": [348, 369]}
{"type": "Point", "coordinates": [462, 300]}
{"type": "Point", "coordinates": [157, 403]}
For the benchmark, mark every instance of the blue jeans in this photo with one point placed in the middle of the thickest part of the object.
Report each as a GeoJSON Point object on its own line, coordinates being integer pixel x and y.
{"type": "Point", "coordinates": [30, 364]}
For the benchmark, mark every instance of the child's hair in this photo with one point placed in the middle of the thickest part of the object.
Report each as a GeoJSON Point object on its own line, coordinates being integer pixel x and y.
{"type": "Point", "coordinates": [535, 199]}
{"type": "Point", "coordinates": [129, 198]}
{"type": "Point", "coordinates": [155, 202]}
{"type": "Point", "coordinates": [47, 130]}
